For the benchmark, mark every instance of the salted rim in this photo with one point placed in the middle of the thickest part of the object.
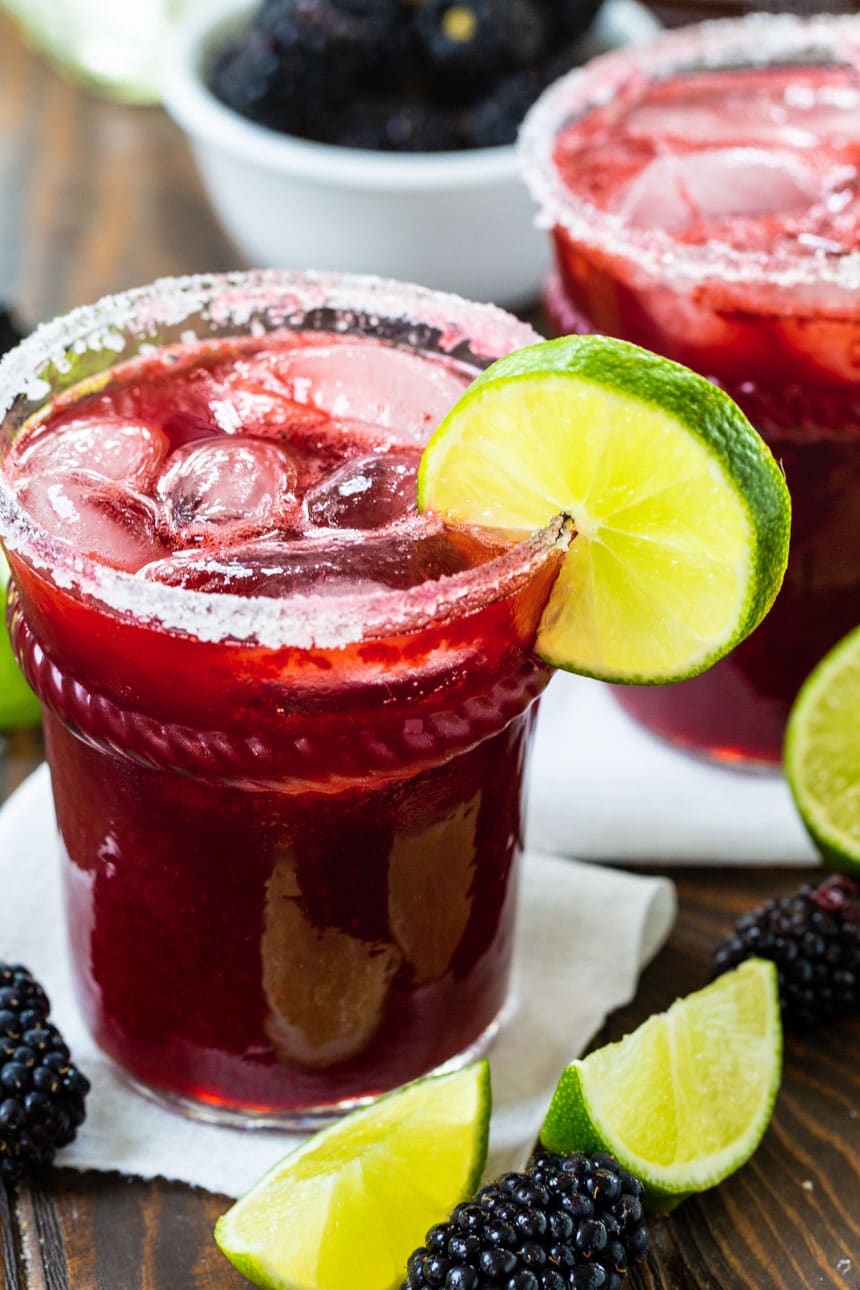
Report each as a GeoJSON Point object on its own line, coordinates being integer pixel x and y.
{"type": "Point", "coordinates": [753, 41]}
{"type": "Point", "coordinates": [236, 303]}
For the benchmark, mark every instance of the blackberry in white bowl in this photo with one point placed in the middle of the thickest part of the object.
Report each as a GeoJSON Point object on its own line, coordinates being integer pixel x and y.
{"type": "Point", "coordinates": [303, 66]}
{"type": "Point", "coordinates": [377, 136]}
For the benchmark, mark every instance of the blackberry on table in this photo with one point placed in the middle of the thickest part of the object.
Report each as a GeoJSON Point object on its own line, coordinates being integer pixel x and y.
{"type": "Point", "coordinates": [813, 937]}
{"type": "Point", "coordinates": [42, 1093]}
{"type": "Point", "coordinates": [565, 1223]}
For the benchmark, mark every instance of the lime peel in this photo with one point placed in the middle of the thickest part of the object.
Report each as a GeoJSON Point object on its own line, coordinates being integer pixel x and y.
{"type": "Point", "coordinates": [822, 755]}
{"type": "Point", "coordinates": [347, 1208]}
{"type": "Point", "coordinates": [682, 514]}
{"type": "Point", "coordinates": [685, 1099]}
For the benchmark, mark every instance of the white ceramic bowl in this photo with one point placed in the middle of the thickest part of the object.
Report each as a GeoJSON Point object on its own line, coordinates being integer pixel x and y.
{"type": "Point", "coordinates": [457, 221]}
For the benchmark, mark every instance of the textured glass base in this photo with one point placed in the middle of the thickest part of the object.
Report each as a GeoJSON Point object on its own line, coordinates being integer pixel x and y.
{"type": "Point", "coordinates": [311, 1117]}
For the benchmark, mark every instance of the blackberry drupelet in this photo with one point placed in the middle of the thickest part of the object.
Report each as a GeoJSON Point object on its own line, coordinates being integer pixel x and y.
{"type": "Point", "coordinates": [566, 1223]}
{"type": "Point", "coordinates": [813, 937]}
{"type": "Point", "coordinates": [9, 333]}
{"type": "Point", "coordinates": [41, 1093]}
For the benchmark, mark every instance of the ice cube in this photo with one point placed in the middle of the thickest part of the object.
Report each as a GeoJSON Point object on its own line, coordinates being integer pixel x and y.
{"type": "Point", "coordinates": [369, 382]}
{"type": "Point", "coordinates": [193, 399]}
{"type": "Point", "coordinates": [227, 481]}
{"type": "Point", "coordinates": [715, 184]}
{"type": "Point", "coordinates": [794, 106]}
{"type": "Point", "coordinates": [103, 520]}
{"type": "Point", "coordinates": [247, 396]}
{"type": "Point", "coordinates": [268, 568]}
{"type": "Point", "coordinates": [277, 569]}
{"type": "Point", "coordinates": [365, 492]}
{"type": "Point", "coordinates": [111, 447]}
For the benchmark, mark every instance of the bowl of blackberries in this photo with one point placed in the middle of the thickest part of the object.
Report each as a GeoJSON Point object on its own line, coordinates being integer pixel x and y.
{"type": "Point", "coordinates": [379, 136]}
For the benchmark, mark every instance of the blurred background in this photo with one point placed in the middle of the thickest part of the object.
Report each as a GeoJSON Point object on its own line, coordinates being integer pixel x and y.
{"type": "Point", "coordinates": [98, 189]}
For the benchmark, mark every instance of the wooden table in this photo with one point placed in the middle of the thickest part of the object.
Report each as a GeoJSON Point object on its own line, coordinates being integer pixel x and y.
{"type": "Point", "coordinates": [94, 198]}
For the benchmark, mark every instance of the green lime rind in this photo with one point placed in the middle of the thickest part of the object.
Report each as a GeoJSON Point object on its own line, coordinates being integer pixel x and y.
{"type": "Point", "coordinates": [822, 755]}
{"type": "Point", "coordinates": [669, 1084]}
{"type": "Point", "coordinates": [347, 1208]}
{"type": "Point", "coordinates": [19, 707]}
{"type": "Point", "coordinates": [517, 489]}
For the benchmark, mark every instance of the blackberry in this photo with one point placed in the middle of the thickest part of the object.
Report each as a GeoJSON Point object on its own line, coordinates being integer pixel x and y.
{"type": "Point", "coordinates": [350, 37]}
{"type": "Point", "coordinates": [566, 1223]}
{"type": "Point", "coordinates": [467, 45]}
{"type": "Point", "coordinates": [9, 333]}
{"type": "Point", "coordinates": [813, 937]}
{"type": "Point", "coordinates": [301, 56]}
{"type": "Point", "coordinates": [41, 1093]}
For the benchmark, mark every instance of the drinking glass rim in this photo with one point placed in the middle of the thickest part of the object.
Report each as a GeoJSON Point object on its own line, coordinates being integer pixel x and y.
{"type": "Point", "coordinates": [702, 45]}
{"type": "Point", "coordinates": [233, 300]}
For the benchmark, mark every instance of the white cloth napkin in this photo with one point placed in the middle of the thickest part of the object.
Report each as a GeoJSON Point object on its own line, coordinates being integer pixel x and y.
{"type": "Point", "coordinates": [584, 935]}
{"type": "Point", "coordinates": [602, 788]}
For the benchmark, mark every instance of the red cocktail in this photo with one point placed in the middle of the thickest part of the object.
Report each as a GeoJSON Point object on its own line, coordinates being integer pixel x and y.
{"type": "Point", "coordinates": [286, 716]}
{"type": "Point", "coordinates": [704, 196]}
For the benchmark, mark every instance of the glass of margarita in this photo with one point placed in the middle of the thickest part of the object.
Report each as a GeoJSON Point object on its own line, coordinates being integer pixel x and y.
{"type": "Point", "coordinates": [287, 717]}
{"type": "Point", "coordinates": [704, 199]}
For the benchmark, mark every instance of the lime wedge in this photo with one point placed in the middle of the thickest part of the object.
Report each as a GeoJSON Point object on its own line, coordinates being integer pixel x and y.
{"type": "Point", "coordinates": [680, 511]}
{"type": "Point", "coordinates": [822, 755]}
{"type": "Point", "coordinates": [684, 1100]}
{"type": "Point", "coordinates": [19, 706]}
{"type": "Point", "coordinates": [345, 1210]}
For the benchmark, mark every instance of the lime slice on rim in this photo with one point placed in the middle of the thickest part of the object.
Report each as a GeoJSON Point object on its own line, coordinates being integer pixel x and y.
{"type": "Point", "coordinates": [822, 755]}
{"type": "Point", "coordinates": [19, 706]}
{"type": "Point", "coordinates": [345, 1210]}
{"type": "Point", "coordinates": [684, 1100]}
{"type": "Point", "coordinates": [681, 513]}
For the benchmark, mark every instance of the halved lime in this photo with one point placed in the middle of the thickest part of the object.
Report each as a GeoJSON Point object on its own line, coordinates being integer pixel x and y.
{"type": "Point", "coordinates": [822, 755]}
{"type": "Point", "coordinates": [684, 1100]}
{"type": "Point", "coordinates": [345, 1210]}
{"type": "Point", "coordinates": [681, 513]}
{"type": "Point", "coordinates": [19, 706]}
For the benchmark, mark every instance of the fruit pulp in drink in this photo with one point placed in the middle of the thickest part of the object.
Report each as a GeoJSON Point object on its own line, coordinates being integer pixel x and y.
{"type": "Point", "coordinates": [706, 172]}
{"type": "Point", "coordinates": [290, 870]}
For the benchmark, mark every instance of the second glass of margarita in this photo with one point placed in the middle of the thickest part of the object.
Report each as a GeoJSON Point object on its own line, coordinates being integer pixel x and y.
{"type": "Point", "coordinates": [704, 200]}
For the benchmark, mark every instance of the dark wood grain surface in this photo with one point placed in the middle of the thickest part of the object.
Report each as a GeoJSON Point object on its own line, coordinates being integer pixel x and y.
{"type": "Point", "coordinates": [94, 198]}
